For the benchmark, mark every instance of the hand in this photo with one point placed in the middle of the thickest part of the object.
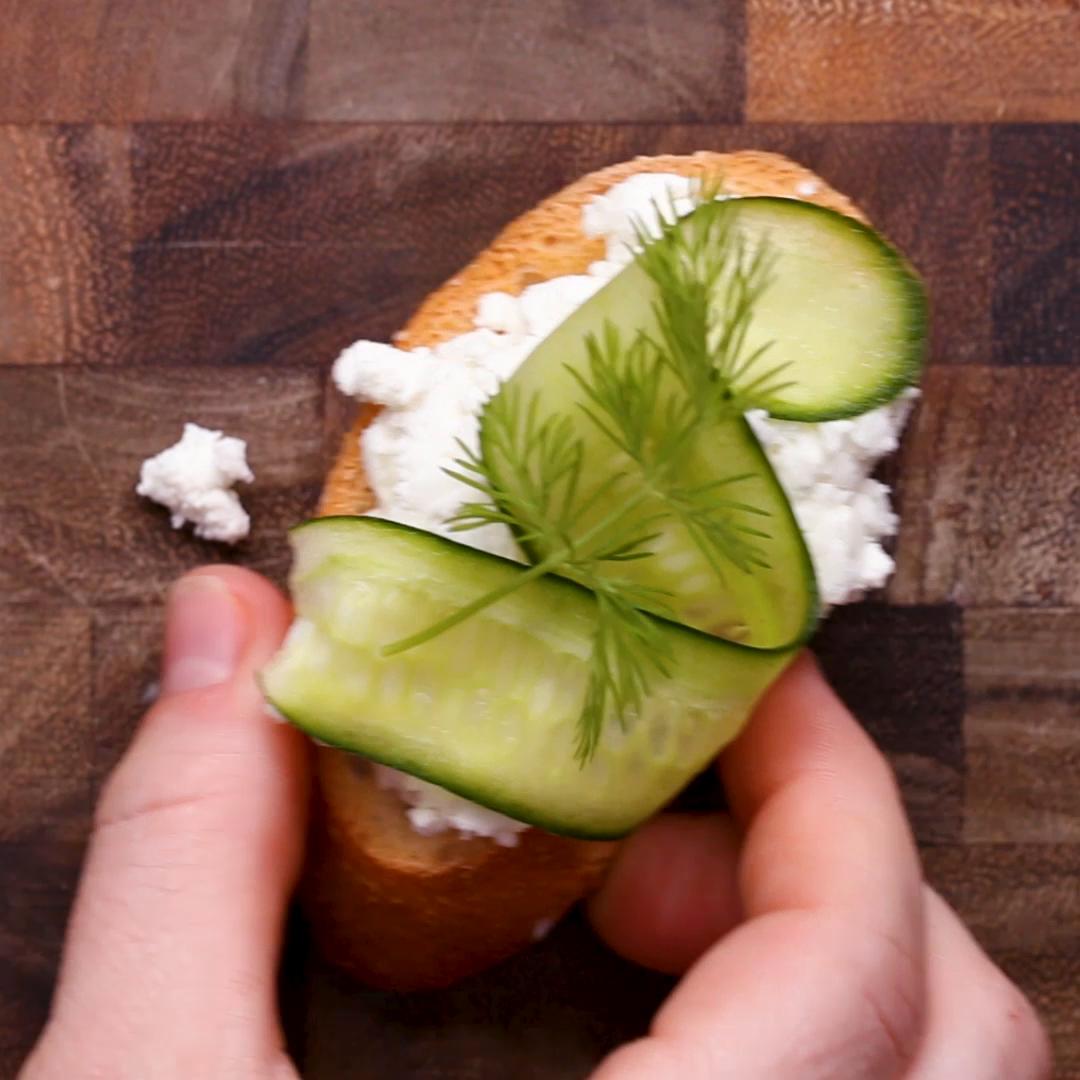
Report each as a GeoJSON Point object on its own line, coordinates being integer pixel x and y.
{"type": "Point", "coordinates": [846, 966]}
{"type": "Point", "coordinates": [170, 963]}
{"type": "Point", "coordinates": [811, 945]}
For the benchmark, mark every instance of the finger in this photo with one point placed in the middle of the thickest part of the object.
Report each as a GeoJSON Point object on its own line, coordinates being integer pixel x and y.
{"type": "Point", "coordinates": [671, 892]}
{"type": "Point", "coordinates": [979, 1025]}
{"type": "Point", "coordinates": [825, 825]}
{"type": "Point", "coordinates": [825, 978]}
{"type": "Point", "coordinates": [174, 936]}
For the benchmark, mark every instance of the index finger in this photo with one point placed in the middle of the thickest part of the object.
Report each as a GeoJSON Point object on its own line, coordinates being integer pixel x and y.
{"type": "Point", "coordinates": [824, 822]}
{"type": "Point", "coordinates": [825, 976]}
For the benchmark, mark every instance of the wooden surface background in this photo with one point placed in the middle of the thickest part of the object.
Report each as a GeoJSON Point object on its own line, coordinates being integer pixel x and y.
{"type": "Point", "coordinates": [201, 202]}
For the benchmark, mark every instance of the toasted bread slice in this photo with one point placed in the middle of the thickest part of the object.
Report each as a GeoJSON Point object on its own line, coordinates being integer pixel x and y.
{"type": "Point", "coordinates": [404, 911]}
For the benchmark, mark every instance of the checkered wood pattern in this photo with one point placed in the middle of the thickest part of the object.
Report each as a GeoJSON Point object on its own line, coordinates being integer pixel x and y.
{"type": "Point", "coordinates": [196, 213]}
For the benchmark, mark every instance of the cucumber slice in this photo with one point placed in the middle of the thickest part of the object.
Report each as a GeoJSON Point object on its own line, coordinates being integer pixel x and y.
{"type": "Point", "coordinates": [757, 588]}
{"type": "Point", "coordinates": [844, 309]}
{"type": "Point", "coordinates": [845, 315]}
{"type": "Point", "coordinates": [489, 709]}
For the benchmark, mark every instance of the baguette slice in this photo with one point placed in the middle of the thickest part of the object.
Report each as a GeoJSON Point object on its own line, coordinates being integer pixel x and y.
{"type": "Point", "coordinates": [403, 911]}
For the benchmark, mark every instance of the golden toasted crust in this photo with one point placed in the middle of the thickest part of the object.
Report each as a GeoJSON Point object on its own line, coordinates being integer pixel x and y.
{"type": "Point", "coordinates": [547, 242]}
{"type": "Point", "coordinates": [399, 910]}
{"type": "Point", "coordinates": [407, 912]}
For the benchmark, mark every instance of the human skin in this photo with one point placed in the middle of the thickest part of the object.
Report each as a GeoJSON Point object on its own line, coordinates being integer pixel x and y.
{"type": "Point", "coordinates": [809, 944]}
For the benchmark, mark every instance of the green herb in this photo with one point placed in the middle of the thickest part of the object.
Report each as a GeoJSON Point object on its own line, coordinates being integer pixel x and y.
{"type": "Point", "coordinates": [702, 340]}
{"type": "Point", "coordinates": [652, 398]}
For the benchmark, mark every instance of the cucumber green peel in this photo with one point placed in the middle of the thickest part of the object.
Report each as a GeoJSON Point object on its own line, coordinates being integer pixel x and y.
{"type": "Point", "coordinates": [491, 708]}
{"type": "Point", "coordinates": [619, 454]}
{"type": "Point", "coordinates": [652, 377]}
{"type": "Point", "coordinates": [620, 457]}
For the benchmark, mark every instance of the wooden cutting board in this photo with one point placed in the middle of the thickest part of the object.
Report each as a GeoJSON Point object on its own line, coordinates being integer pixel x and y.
{"type": "Point", "coordinates": [200, 204]}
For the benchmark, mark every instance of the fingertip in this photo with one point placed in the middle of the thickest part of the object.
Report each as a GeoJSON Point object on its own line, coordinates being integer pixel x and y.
{"type": "Point", "coordinates": [266, 605]}
{"type": "Point", "coordinates": [801, 687]}
{"type": "Point", "coordinates": [799, 726]}
{"type": "Point", "coordinates": [222, 623]}
{"type": "Point", "coordinates": [823, 818]}
{"type": "Point", "coordinates": [671, 892]}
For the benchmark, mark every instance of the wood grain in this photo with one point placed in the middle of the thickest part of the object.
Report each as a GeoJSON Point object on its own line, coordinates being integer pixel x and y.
{"type": "Point", "coordinates": [990, 490]}
{"type": "Point", "coordinates": [73, 529]}
{"type": "Point", "coordinates": [46, 758]}
{"type": "Point", "coordinates": [900, 671]}
{"type": "Point", "coordinates": [1022, 675]}
{"type": "Point", "coordinates": [255, 305]}
{"type": "Point", "coordinates": [117, 60]}
{"type": "Point", "coordinates": [589, 60]}
{"type": "Point", "coordinates": [47, 752]}
{"type": "Point", "coordinates": [37, 882]}
{"type": "Point", "coordinates": [1036, 189]}
{"type": "Point", "coordinates": [287, 242]}
{"type": "Point", "coordinates": [260, 241]}
{"type": "Point", "coordinates": [127, 657]}
{"type": "Point", "coordinates": [1049, 981]}
{"type": "Point", "coordinates": [816, 60]}
{"type": "Point", "coordinates": [65, 289]}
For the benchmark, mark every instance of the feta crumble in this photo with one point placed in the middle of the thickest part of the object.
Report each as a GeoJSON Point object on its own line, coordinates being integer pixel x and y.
{"type": "Point", "coordinates": [844, 513]}
{"type": "Point", "coordinates": [432, 400]}
{"type": "Point", "coordinates": [432, 810]}
{"type": "Point", "coordinates": [194, 479]}
{"type": "Point", "coordinates": [641, 201]}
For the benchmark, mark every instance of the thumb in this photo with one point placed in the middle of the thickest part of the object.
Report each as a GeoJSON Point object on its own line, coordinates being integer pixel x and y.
{"type": "Point", "coordinates": [175, 934]}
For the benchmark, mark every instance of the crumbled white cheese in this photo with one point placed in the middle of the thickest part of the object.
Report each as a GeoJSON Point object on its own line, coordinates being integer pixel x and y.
{"type": "Point", "coordinates": [432, 810]}
{"type": "Point", "coordinates": [371, 369]}
{"type": "Point", "coordinates": [415, 436]}
{"type": "Point", "coordinates": [194, 479]}
{"type": "Point", "coordinates": [433, 398]}
{"type": "Point", "coordinates": [501, 312]}
{"type": "Point", "coordinates": [544, 305]}
{"type": "Point", "coordinates": [843, 512]}
{"type": "Point", "coordinates": [639, 202]}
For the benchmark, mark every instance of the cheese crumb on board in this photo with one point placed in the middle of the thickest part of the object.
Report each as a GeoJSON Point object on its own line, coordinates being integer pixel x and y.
{"type": "Point", "coordinates": [194, 480]}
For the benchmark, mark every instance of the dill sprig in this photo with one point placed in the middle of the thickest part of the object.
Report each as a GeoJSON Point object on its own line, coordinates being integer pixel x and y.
{"type": "Point", "coordinates": [708, 281]}
{"type": "Point", "coordinates": [623, 400]}
{"type": "Point", "coordinates": [650, 398]}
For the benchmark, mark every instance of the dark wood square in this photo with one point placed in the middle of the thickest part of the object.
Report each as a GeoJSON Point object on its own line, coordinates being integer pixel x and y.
{"type": "Point", "coordinates": [72, 441]}
{"type": "Point", "coordinates": [1021, 725]}
{"type": "Point", "coordinates": [900, 671]}
{"type": "Point", "coordinates": [989, 490]}
{"type": "Point", "coordinates": [1036, 235]}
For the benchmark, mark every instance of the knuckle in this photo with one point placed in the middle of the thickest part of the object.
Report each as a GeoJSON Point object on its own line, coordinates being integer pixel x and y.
{"type": "Point", "coordinates": [875, 1012]}
{"type": "Point", "coordinates": [1026, 1052]}
{"type": "Point", "coordinates": [165, 782]}
{"type": "Point", "coordinates": [891, 990]}
{"type": "Point", "coordinates": [166, 811]}
{"type": "Point", "coordinates": [895, 1015]}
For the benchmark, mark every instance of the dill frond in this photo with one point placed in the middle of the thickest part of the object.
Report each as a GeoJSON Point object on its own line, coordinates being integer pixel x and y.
{"type": "Point", "coordinates": [652, 398]}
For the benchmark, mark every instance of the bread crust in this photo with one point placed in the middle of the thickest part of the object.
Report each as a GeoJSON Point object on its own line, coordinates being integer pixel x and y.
{"type": "Point", "coordinates": [406, 912]}
{"type": "Point", "coordinates": [401, 911]}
